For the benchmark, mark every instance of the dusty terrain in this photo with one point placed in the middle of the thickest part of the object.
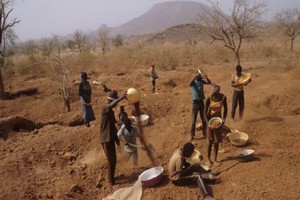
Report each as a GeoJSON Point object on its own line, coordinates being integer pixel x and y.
{"type": "Point", "coordinates": [55, 160]}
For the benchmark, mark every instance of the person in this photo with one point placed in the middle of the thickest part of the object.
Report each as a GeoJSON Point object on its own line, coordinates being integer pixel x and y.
{"type": "Point", "coordinates": [122, 115]}
{"type": "Point", "coordinates": [180, 171]}
{"type": "Point", "coordinates": [108, 132]}
{"type": "Point", "coordinates": [213, 108]}
{"type": "Point", "coordinates": [85, 93]}
{"type": "Point", "coordinates": [238, 92]}
{"type": "Point", "coordinates": [153, 77]}
{"type": "Point", "coordinates": [128, 134]}
{"type": "Point", "coordinates": [198, 97]}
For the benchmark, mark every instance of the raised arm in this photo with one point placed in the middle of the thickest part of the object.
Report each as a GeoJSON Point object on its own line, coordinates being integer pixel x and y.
{"type": "Point", "coordinates": [192, 81]}
{"type": "Point", "coordinates": [207, 81]}
{"type": "Point", "coordinates": [115, 102]}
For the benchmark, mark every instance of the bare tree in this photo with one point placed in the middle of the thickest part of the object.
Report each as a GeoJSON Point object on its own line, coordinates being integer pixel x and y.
{"type": "Point", "coordinates": [232, 29]}
{"type": "Point", "coordinates": [289, 21]}
{"type": "Point", "coordinates": [80, 40]}
{"type": "Point", "coordinates": [5, 25]}
{"type": "Point", "coordinates": [118, 41]}
{"type": "Point", "coordinates": [46, 46]}
{"type": "Point", "coordinates": [61, 69]}
{"type": "Point", "coordinates": [103, 40]}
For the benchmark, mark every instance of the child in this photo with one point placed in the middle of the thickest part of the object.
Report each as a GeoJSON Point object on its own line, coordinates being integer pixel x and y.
{"type": "Point", "coordinates": [128, 134]}
{"type": "Point", "coordinates": [122, 115]}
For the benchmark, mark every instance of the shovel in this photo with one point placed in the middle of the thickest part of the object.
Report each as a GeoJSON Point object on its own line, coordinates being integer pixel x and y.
{"type": "Point", "coordinates": [149, 147]}
{"type": "Point", "coordinates": [202, 188]}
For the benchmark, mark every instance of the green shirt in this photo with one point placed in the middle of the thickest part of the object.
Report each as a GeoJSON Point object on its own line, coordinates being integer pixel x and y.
{"type": "Point", "coordinates": [197, 90]}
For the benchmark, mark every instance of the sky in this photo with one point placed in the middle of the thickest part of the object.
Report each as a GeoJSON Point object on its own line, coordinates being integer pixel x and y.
{"type": "Point", "coordinates": [43, 18]}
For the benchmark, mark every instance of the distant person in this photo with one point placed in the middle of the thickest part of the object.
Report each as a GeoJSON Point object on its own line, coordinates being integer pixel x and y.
{"type": "Point", "coordinates": [85, 93]}
{"type": "Point", "coordinates": [198, 97]}
{"type": "Point", "coordinates": [213, 108]}
{"type": "Point", "coordinates": [122, 115]}
{"type": "Point", "coordinates": [108, 133]}
{"type": "Point", "coordinates": [153, 77]}
{"type": "Point", "coordinates": [128, 135]}
{"type": "Point", "coordinates": [238, 92]}
{"type": "Point", "coordinates": [180, 171]}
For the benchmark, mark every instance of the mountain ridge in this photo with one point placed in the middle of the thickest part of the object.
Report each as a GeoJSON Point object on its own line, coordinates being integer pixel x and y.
{"type": "Point", "coordinates": [160, 17]}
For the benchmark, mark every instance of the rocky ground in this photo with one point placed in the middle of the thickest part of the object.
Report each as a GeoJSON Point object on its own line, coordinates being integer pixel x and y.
{"type": "Point", "coordinates": [58, 158]}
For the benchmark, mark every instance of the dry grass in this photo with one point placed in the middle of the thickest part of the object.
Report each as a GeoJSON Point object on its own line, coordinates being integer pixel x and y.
{"type": "Point", "coordinates": [272, 53]}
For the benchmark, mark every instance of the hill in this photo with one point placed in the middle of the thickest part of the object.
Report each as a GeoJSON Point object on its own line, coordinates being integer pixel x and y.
{"type": "Point", "coordinates": [160, 17]}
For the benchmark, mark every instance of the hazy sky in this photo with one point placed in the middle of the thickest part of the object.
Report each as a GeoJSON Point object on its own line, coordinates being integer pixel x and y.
{"type": "Point", "coordinates": [41, 18]}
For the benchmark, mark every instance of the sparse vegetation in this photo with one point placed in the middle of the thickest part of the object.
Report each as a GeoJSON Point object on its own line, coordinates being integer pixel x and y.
{"type": "Point", "coordinates": [241, 24]}
{"type": "Point", "coordinates": [288, 21]}
{"type": "Point", "coordinates": [46, 153]}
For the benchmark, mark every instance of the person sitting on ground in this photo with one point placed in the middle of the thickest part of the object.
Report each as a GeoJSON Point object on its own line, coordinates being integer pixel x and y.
{"type": "Point", "coordinates": [213, 108]}
{"type": "Point", "coordinates": [180, 171]}
{"type": "Point", "coordinates": [128, 134]}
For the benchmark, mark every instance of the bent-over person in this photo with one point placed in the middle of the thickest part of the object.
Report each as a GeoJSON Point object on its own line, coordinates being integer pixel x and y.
{"type": "Point", "coordinates": [128, 135]}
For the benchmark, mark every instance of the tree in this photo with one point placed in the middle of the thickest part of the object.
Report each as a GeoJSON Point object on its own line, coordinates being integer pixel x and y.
{"type": "Point", "coordinates": [46, 46]}
{"type": "Point", "coordinates": [232, 29]}
{"type": "Point", "coordinates": [103, 40]}
{"type": "Point", "coordinates": [289, 21]}
{"type": "Point", "coordinates": [5, 25]}
{"type": "Point", "coordinates": [118, 41]}
{"type": "Point", "coordinates": [80, 40]}
{"type": "Point", "coordinates": [61, 69]}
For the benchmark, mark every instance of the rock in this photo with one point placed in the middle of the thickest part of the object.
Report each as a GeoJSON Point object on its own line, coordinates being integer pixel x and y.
{"type": "Point", "coordinates": [76, 188]}
{"type": "Point", "coordinates": [70, 156]}
{"type": "Point", "coordinates": [83, 166]}
{"type": "Point", "coordinates": [99, 185]}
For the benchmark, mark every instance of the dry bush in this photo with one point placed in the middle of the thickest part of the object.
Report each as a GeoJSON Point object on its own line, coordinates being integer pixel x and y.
{"type": "Point", "coordinates": [138, 56]}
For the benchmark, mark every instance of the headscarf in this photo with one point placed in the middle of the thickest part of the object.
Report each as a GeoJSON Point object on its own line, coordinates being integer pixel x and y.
{"type": "Point", "coordinates": [84, 75]}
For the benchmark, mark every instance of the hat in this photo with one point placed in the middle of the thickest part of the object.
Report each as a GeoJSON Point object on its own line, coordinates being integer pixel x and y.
{"type": "Point", "coordinates": [83, 75]}
{"type": "Point", "coordinates": [113, 95]}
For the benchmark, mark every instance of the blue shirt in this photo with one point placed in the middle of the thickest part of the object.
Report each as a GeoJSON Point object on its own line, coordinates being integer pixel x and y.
{"type": "Point", "coordinates": [197, 90]}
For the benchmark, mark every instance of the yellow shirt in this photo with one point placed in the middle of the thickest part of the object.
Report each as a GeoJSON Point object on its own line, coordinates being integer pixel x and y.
{"type": "Point", "coordinates": [237, 79]}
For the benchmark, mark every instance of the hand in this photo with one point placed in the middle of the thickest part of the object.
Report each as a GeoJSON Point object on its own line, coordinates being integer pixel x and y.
{"type": "Point", "coordinates": [143, 148]}
{"type": "Point", "coordinates": [200, 157]}
{"type": "Point", "coordinates": [223, 120]}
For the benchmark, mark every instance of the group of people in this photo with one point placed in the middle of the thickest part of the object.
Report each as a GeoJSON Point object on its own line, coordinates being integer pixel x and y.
{"type": "Point", "coordinates": [180, 171]}
{"type": "Point", "coordinates": [213, 106]}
